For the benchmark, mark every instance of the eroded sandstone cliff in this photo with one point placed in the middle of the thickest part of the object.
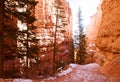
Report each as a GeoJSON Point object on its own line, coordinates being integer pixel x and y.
{"type": "Point", "coordinates": [47, 21]}
{"type": "Point", "coordinates": [108, 39]}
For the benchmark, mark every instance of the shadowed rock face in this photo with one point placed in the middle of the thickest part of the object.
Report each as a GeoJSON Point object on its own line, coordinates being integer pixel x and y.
{"type": "Point", "coordinates": [108, 38]}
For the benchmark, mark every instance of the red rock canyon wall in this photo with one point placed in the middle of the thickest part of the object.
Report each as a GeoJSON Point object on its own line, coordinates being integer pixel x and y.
{"type": "Point", "coordinates": [46, 21]}
{"type": "Point", "coordinates": [108, 39]}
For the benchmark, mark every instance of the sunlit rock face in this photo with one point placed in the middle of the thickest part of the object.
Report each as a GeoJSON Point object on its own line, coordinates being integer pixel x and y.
{"type": "Point", "coordinates": [92, 30]}
{"type": "Point", "coordinates": [45, 13]}
{"type": "Point", "coordinates": [108, 38]}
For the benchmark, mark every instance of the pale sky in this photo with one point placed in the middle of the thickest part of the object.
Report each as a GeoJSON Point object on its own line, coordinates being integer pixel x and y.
{"type": "Point", "coordinates": [88, 7]}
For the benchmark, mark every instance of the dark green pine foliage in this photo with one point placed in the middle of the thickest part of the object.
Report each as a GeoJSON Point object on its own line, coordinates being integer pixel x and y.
{"type": "Point", "coordinates": [28, 47]}
{"type": "Point", "coordinates": [60, 23]}
{"type": "Point", "coordinates": [81, 54]}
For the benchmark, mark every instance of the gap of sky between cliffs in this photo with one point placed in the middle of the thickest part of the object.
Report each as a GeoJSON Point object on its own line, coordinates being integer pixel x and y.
{"type": "Point", "coordinates": [88, 8]}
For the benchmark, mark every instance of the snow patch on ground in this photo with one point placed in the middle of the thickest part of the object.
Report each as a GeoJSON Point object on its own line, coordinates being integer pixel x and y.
{"type": "Point", "coordinates": [64, 72]}
{"type": "Point", "coordinates": [73, 65]}
{"type": "Point", "coordinates": [82, 73]}
{"type": "Point", "coordinates": [22, 80]}
{"type": "Point", "coordinates": [91, 66]}
{"type": "Point", "coordinates": [87, 73]}
{"type": "Point", "coordinates": [50, 78]}
{"type": "Point", "coordinates": [75, 73]}
{"type": "Point", "coordinates": [61, 73]}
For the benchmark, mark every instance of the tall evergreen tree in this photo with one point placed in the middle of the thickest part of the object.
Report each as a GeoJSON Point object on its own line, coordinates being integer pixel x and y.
{"type": "Point", "coordinates": [81, 54]}
{"type": "Point", "coordinates": [60, 23]}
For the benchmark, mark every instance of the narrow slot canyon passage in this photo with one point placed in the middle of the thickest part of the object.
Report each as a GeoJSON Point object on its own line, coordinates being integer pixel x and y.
{"type": "Point", "coordinates": [59, 41]}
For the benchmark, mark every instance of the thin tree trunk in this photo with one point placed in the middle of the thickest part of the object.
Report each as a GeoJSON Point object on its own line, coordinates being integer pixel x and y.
{"type": "Point", "coordinates": [54, 52]}
{"type": "Point", "coordinates": [27, 55]}
{"type": "Point", "coordinates": [1, 36]}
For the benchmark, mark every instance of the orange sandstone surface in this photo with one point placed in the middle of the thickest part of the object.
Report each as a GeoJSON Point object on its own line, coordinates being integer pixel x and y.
{"type": "Point", "coordinates": [108, 38]}
{"type": "Point", "coordinates": [104, 31]}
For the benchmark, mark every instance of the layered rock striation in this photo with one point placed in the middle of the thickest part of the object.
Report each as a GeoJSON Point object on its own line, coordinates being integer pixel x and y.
{"type": "Point", "coordinates": [45, 12]}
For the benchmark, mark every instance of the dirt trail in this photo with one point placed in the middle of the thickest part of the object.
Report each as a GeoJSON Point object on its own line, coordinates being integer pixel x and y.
{"type": "Point", "coordinates": [75, 73]}
{"type": "Point", "coordinates": [80, 73]}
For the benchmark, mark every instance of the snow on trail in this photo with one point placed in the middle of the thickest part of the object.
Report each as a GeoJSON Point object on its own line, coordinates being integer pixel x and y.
{"type": "Point", "coordinates": [65, 72]}
{"type": "Point", "coordinates": [77, 73]}
{"type": "Point", "coordinates": [22, 80]}
{"type": "Point", "coordinates": [80, 73]}
{"type": "Point", "coordinates": [87, 73]}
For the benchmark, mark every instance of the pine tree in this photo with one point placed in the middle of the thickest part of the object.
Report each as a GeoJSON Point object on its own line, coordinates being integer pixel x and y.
{"type": "Point", "coordinates": [27, 37]}
{"type": "Point", "coordinates": [81, 54]}
{"type": "Point", "coordinates": [60, 23]}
